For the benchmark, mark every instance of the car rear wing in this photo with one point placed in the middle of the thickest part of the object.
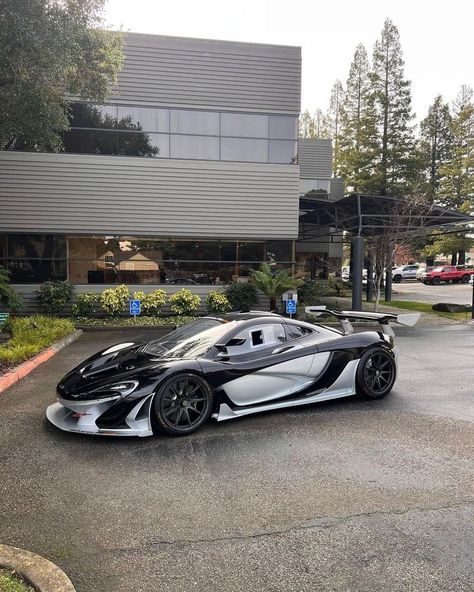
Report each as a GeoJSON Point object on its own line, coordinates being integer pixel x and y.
{"type": "Point", "coordinates": [382, 318]}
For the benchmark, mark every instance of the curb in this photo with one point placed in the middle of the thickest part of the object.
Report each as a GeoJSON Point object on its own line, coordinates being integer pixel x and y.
{"type": "Point", "coordinates": [41, 573]}
{"type": "Point", "coordinates": [26, 367]}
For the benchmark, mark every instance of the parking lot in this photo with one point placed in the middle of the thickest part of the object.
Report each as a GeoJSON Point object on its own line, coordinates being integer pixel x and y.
{"type": "Point", "coordinates": [343, 496]}
{"type": "Point", "coordinates": [452, 293]}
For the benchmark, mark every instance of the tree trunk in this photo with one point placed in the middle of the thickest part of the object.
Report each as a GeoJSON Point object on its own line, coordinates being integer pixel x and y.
{"type": "Point", "coordinates": [462, 258]}
{"type": "Point", "coordinates": [429, 262]}
{"type": "Point", "coordinates": [273, 304]}
{"type": "Point", "coordinates": [454, 257]}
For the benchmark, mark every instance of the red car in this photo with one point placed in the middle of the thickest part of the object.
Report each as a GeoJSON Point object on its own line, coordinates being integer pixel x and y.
{"type": "Point", "coordinates": [447, 273]}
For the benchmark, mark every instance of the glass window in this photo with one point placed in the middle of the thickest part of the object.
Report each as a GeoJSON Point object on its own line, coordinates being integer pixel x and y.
{"type": "Point", "coordinates": [194, 122]}
{"type": "Point", "coordinates": [283, 127]}
{"type": "Point", "coordinates": [143, 118]}
{"type": "Point", "coordinates": [244, 126]}
{"type": "Point", "coordinates": [162, 143]}
{"type": "Point", "coordinates": [90, 142]}
{"type": "Point", "coordinates": [282, 152]}
{"type": "Point", "coordinates": [243, 150]}
{"type": "Point", "coordinates": [36, 257]}
{"type": "Point", "coordinates": [140, 144]}
{"type": "Point", "coordinates": [199, 147]}
{"type": "Point", "coordinates": [93, 116]}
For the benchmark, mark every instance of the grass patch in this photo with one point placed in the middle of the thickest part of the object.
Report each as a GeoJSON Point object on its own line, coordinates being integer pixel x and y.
{"type": "Point", "coordinates": [427, 307]}
{"type": "Point", "coordinates": [31, 335]}
{"type": "Point", "coordinates": [138, 321]}
{"type": "Point", "coordinates": [10, 582]}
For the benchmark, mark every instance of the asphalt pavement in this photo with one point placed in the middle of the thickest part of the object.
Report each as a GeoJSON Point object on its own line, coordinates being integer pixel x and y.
{"type": "Point", "coordinates": [343, 496]}
{"type": "Point", "coordinates": [414, 290]}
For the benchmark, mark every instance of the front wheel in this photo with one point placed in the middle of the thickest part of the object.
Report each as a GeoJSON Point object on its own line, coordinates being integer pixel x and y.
{"type": "Point", "coordinates": [436, 281]}
{"type": "Point", "coordinates": [465, 279]}
{"type": "Point", "coordinates": [397, 279]}
{"type": "Point", "coordinates": [376, 373]}
{"type": "Point", "coordinates": [182, 404]}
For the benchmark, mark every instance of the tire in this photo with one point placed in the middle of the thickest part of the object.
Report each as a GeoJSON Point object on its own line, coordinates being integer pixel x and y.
{"type": "Point", "coordinates": [376, 373]}
{"type": "Point", "coordinates": [436, 281]}
{"type": "Point", "coordinates": [465, 279]}
{"type": "Point", "coordinates": [397, 279]}
{"type": "Point", "coordinates": [181, 404]}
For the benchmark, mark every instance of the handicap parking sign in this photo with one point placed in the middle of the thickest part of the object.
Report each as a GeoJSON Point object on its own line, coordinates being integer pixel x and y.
{"type": "Point", "coordinates": [135, 308]}
{"type": "Point", "coordinates": [291, 307]}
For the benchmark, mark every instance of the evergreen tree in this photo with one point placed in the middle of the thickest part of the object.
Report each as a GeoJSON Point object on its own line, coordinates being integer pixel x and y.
{"type": "Point", "coordinates": [334, 120]}
{"type": "Point", "coordinates": [436, 139]}
{"type": "Point", "coordinates": [322, 128]}
{"type": "Point", "coordinates": [358, 132]}
{"type": "Point", "coordinates": [395, 166]}
{"type": "Point", "coordinates": [306, 125]}
{"type": "Point", "coordinates": [457, 185]}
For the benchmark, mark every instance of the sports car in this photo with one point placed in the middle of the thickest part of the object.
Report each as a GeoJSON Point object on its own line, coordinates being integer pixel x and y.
{"type": "Point", "coordinates": [226, 367]}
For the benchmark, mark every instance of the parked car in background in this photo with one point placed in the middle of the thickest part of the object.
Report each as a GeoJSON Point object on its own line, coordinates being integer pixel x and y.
{"type": "Point", "coordinates": [405, 272]}
{"type": "Point", "coordinates": [471, 281]}
{"type": "Point", "coordinates": [447, 273]}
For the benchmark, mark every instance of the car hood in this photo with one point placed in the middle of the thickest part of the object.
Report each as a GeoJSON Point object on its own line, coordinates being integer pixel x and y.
{"type": "Point", "coordinates": [112, 365]}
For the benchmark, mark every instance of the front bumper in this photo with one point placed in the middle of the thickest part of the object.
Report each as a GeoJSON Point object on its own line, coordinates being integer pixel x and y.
{"type": "Point", "coordinates": [81, 417]}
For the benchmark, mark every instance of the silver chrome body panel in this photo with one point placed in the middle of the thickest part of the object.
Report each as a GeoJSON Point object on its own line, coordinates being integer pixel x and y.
{"type": "Point", "coordinates": [344, 386]}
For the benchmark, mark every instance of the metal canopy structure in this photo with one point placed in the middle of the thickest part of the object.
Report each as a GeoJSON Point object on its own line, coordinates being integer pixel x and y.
{"type": "Point", "coordinates": [365, 216]}
{"type": "Point", "coordinates": [371, 215]}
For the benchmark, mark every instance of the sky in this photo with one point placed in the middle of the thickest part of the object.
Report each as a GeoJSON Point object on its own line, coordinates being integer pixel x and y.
{"type": "Point", "coordinates": [436, 37]}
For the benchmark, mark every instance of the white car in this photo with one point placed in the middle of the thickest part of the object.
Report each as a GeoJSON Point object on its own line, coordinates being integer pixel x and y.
{"type": "Point", "coordinates": [404, 272]}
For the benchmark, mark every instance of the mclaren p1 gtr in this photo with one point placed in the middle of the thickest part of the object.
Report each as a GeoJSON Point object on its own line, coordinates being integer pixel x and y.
{"type": "Point", "coordinates": [226, 367]}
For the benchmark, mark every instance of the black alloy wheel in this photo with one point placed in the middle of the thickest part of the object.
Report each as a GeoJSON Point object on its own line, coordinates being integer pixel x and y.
{"type": "Point", "coordinates": [182, 404]}
{"type": "Point", "coordinates": [376, 373]}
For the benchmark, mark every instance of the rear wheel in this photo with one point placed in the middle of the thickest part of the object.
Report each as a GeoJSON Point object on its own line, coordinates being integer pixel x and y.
{"type": "Point", "coordinates": [465, 279]}
{"type": "Point", "coordinates": [397, 278]}
{"type": "Point", "coordinates": [376, 373]}
{"type": "Point", "coordinates": [182, 404]}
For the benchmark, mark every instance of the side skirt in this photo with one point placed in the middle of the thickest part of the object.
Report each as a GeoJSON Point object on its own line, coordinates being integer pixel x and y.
{"type": "Point", "coordinates": [344, 386]}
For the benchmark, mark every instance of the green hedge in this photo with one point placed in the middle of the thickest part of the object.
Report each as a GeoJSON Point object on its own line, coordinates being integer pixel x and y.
{"type": "Point", "coordinates": [133, 322]}
{"type": "Point", "coordinates": [30, 335]}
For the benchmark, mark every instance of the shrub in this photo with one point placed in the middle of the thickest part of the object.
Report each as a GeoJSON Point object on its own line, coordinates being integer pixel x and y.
{"type": "Point", "coordinates": [184, 302]}
{"type": "Point", "coordinates": [30, 335]}
{"type": "Point", "coordinates": [310, 292]}
{"type": "Point", "coordinates": [217, 302]}
{"type": "Point", "coordinates": [86, 304]}
{"type": "Point", "coordinates": [114, 300]}
{"type": "Point", "coordinates": [53, 296]}
{"type": "Point", "coordinates": [336, 286]}
{"type": "Point", "coordinates": [151, 302]}
{"type": "Point", "coordinates": [8, 297]}
{"type": "Point", "coordinates": [241, 296]}
{"type": "Point", "coordinates": [273, 283]}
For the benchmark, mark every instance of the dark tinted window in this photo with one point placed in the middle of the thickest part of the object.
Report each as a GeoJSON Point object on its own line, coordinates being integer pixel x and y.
{"type": "Point", "coordinates": [297, 331]}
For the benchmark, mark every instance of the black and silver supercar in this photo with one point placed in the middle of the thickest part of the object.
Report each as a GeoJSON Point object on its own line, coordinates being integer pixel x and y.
{"type": "Point", "coordinates": [225, 367]}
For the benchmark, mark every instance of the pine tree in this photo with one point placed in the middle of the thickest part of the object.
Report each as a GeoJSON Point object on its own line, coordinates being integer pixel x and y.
{"type": "Point", "coordinates": [436, 139]}
{"type": "Point", "coordinates": [358, 132]}
{"type": "Point", "coordinates": [395, 167]}
{"type": "Point", "coordinates": [322, 128]}
{"type": "Point", "coordinates": [334, 120]}
{"type": "Point", "coordinates": [306, 125]}
{"type": "Point", "coordinates": [457, 185]}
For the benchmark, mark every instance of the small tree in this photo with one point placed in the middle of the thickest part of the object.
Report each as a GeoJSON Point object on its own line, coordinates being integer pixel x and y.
{"type": "Point", "coordinates": [272, 285]}
{"type": "Point", "coordinates": [8, 297]}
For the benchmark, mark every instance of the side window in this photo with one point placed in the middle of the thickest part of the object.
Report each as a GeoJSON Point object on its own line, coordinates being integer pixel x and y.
{"type": "Point", "coordinates": [256, 338]}
{"type": "Point", "coordinates": [297, 331]}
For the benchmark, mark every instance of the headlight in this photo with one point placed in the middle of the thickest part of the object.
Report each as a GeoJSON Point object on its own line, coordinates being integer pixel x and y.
{"type": "Point", "coordinates": [120, 388]}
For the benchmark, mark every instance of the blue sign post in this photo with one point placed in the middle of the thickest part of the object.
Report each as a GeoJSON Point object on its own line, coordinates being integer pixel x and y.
{"type": "Point", "coordinates": [135, 307]}
{"type": "Point", "coordinates": [291, 307]}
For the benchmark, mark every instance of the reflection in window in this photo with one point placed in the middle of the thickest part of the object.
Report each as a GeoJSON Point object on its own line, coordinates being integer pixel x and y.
{"type": "Point", "coordinates": [198, 147]}
{"type": "Point", "coordinates": [240, 149]}
{"type": "Point", "coordinates": [194, 122]}
{"type": "Point", "coordinates": [147, 119]}
{"type": "Point", "coordinates": [36, 257]}
{"type": "Point", "coordinates": [244, 126]}
{"type": "Point", "coordinates": [283, 127]}
{"type": "Point", "coordinates": [282, 151]}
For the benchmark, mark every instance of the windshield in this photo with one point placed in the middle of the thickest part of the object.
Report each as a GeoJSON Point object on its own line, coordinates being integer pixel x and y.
{"type": "Point", "coordinates": [171, 340]}
{"type": "Point", "coordinates": [438, 269]}
{"type": "Point", "coordinates": [199, 344]}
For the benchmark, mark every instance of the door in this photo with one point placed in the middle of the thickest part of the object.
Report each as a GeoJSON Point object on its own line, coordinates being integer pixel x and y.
{"type": "Point", "coordinates": [264, 366]}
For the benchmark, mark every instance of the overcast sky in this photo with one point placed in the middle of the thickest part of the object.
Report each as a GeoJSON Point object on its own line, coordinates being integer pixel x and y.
{"type": "Point", "coordinates": [437, 38]}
